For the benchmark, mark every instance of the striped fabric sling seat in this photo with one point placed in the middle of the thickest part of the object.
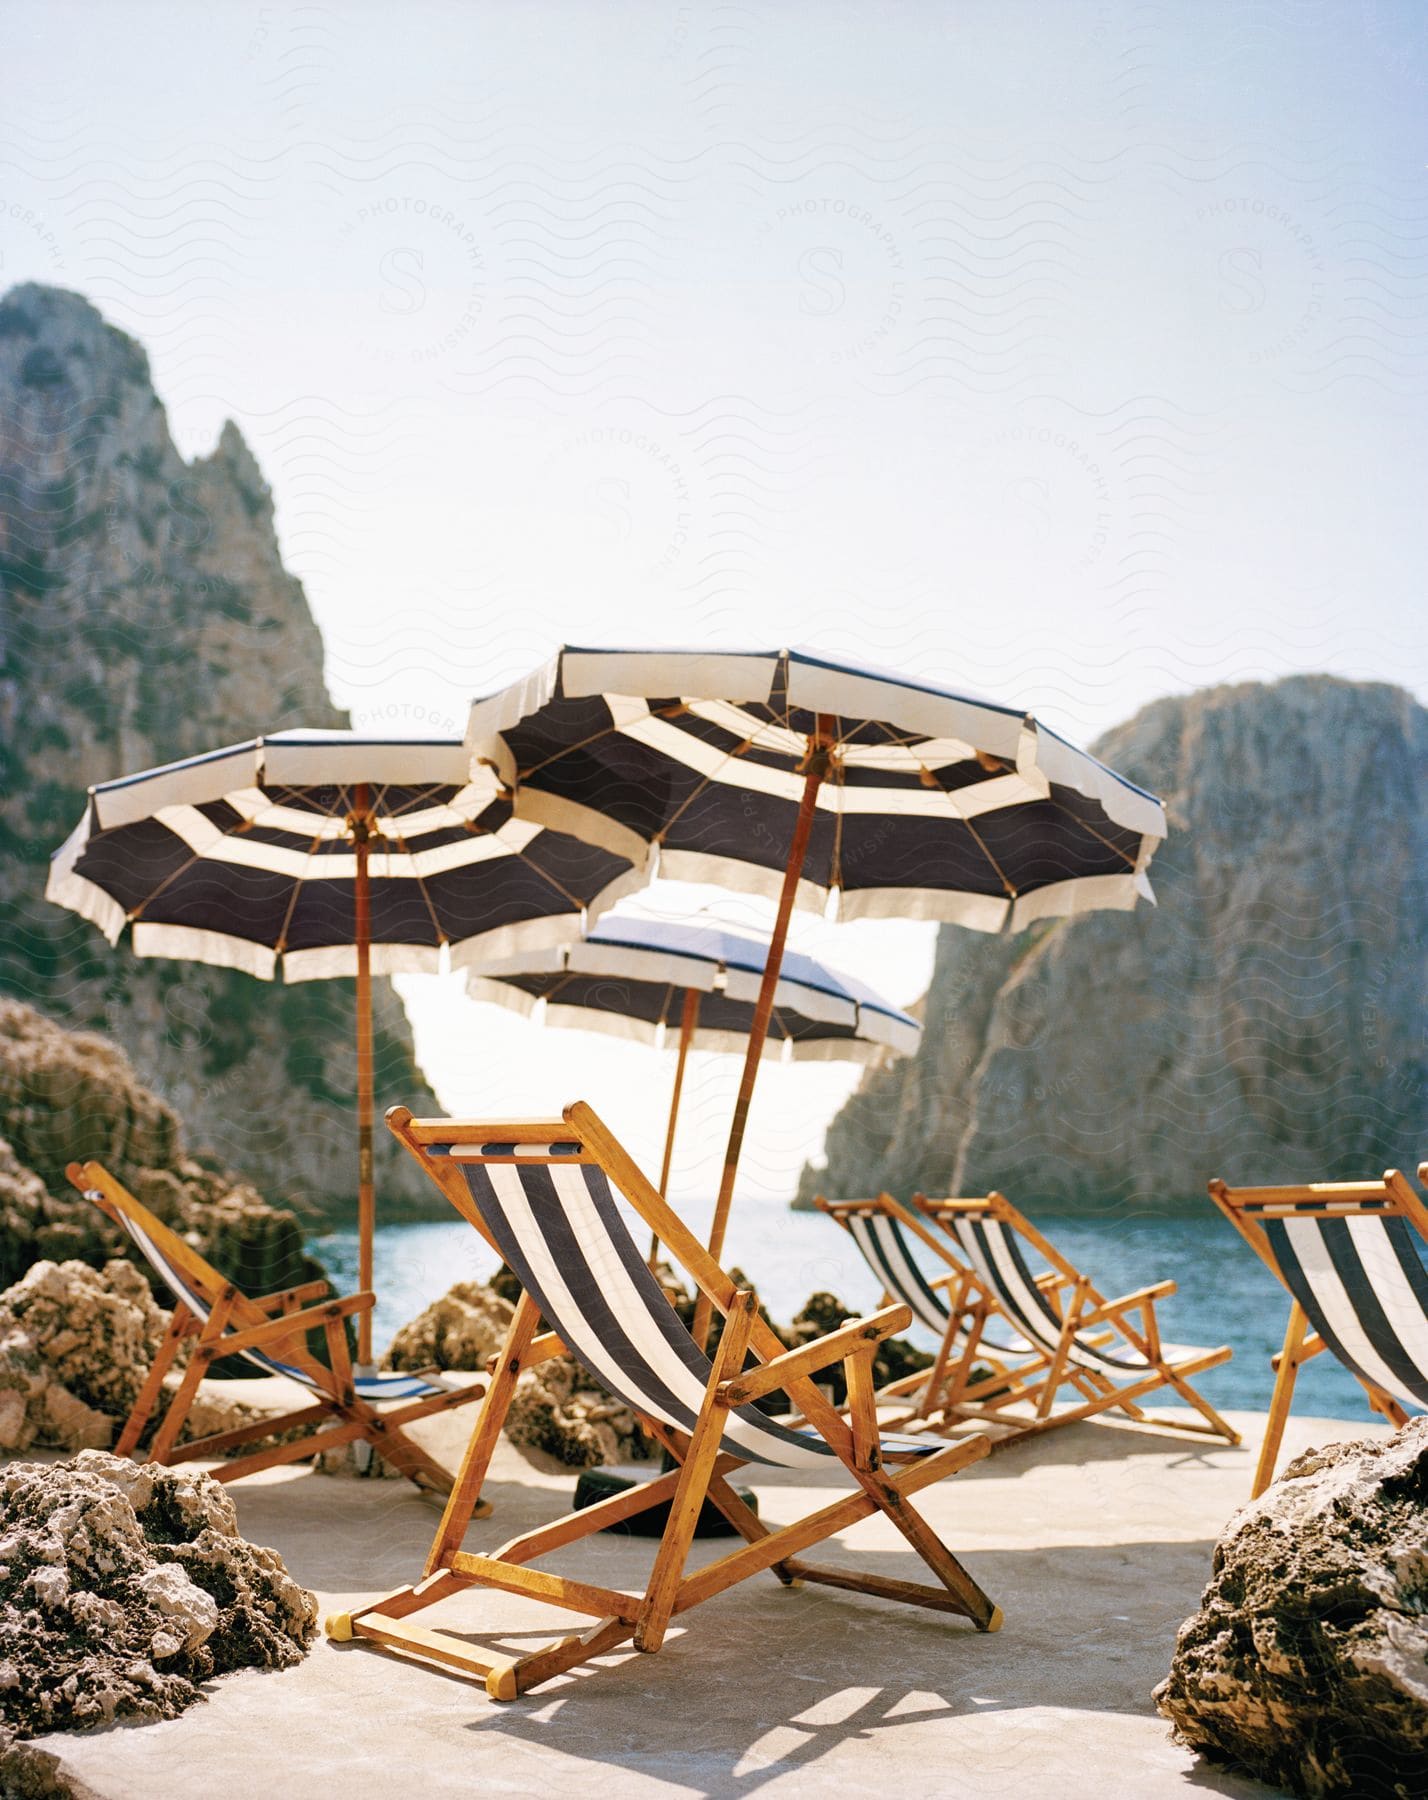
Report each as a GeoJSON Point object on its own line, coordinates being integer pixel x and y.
{"type": "Point", "coordinates": [269, 1332]}
{"type": "Point", "coordinates": [543, 1195]}
{"type": "Point", "coordinates": [1350, 1255]}
{"type": "Point", "coordinates": [955, 1307]}
{"type": "Point", "coordinates": [1109, 1353]}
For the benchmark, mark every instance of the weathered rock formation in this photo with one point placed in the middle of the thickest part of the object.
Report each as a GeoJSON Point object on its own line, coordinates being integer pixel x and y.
{"type": "Point", "coordinates": [75, 1343]}
{"type": "Point", "coordinates": [29, 1773]}
{"type": "Point", "coordinates": [145, 615]}
{"type": "Point", "coordinates": [1264, 1022]}
{"type": "Point", "coordinates": [1307, 1663]}
{"type": "Point", "coordinates": [461, 1330]}
{"type": "Point", "coordinates": [68, 1095]}
{"type": "Point", "coordinates": [123, 1587]}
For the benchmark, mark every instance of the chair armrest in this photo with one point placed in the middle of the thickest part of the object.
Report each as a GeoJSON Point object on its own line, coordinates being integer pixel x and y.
{"type": "Point", "coordinates": [293, 1296]}
{"type": "Point", "coordinates": [288, 1325]}
{"type": "Point", "coordinates": [1107, 1309]}
{"type": "Point", "coordinates": [833, 1346]}
{"type": "Point", "coordinates": [539, 1350]}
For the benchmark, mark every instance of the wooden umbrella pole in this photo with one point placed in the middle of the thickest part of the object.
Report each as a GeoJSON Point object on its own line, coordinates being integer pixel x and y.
{"type": "Point", "coordinates": [689, 1019]}
{"type": "Point", "coordinates": [366, 1191]}
{"type": "Point", "coordinates": [817, 768]}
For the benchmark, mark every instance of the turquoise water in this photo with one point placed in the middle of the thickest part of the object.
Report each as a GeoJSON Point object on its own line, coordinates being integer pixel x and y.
{"type": "Point", "coordinates": [1225, 1296]}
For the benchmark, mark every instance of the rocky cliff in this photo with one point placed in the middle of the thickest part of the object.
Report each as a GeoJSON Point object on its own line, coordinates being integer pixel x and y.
{"type": "Point", "coordinates": [145, 614]}
{"type": "Point", "coordinates": [1265, 1021]}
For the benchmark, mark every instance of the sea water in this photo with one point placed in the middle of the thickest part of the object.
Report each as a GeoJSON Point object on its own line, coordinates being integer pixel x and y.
{"type": "Point", "coordinates": [1225, 1296]}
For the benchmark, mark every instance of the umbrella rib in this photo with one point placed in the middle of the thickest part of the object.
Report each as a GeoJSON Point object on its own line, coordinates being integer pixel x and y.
{"type": "Point", "coordinates": [960, 816]}
{"type": "Point", "coordinates": [584, 743]}
{"type": "Point", "coordinates": [700, 787]}
{"type": "Point", "coordinates": [545, 875]}
{"type": "Point", "coordinates": [280, 946]}
{"type": "Point", "coordinates": [1100, 837]}
{"type": "Point", "coordinates": [420, 880]}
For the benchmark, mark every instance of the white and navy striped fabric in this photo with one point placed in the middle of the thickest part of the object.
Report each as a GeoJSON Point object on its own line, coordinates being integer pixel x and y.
{"type": "Point", "coordinates": [373, 1388]}
{"type": "Point", "coordinates": [1363, 1285]}
{"type": "Point", "coordinates": [936, 805]}
{"type": "Point", "coordinates": [994, 1251]}
{"type": "Point", "coordinates": [885, 1250]}
{"type": "Point", "coordinates": [558, 1227]}
{"type": "Point", "coordinates": [629, 977]}
{"type": "Point", "coordinates": [245, 858]}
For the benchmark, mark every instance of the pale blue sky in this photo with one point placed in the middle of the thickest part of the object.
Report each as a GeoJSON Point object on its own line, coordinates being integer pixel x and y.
{"type": "Point", "coordinates": [1074, 352]}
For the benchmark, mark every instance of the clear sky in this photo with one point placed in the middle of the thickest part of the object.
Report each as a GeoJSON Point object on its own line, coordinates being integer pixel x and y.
{"type": "Point", "coordinates": [1075, 352]}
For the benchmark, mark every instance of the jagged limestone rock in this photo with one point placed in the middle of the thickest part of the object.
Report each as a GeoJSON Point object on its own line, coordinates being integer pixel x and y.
{"type": "Point", "coordinates": [123, 1587]}
{"type": "Point", "coordinates": [562, 1409]}
{"type": "Point", "coordinates": [558, 1408]}
{"type": "Point", "coordinates": [29, 1773]}
{"type": "Point", "coordinates": [67, 1095]}
{"type": "Point", "coordinates": [461, 1330]}
{"type": "Point", "coordinates": [75, 1345]}
{"type": "Point", "coordinates": [1263, 1022]}
{"type": "Point", "coordinates": [1307, 1663]}
{"type": "Point", "coordinates": [145, 615]}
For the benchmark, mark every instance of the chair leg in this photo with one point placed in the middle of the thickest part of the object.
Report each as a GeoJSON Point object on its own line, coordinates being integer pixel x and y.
{"type": "Point", "coordinates": [1221, 1427]}
{"type": "Point", "coordinates": [180, 1326]}
{"type": "Point", "coordinates": [466, 1491]}
{"type": "Point", "coordinates": [694, 1476]}
{"type": "Point", "coordinates": [1289, 1358]}
{"type": "Point", "coordinates": [983, 1613]}
{"type": "Point", "coordinates": [199, 1364]}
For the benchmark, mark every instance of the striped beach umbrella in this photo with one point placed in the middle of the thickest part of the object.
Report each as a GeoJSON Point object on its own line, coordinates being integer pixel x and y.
{"type": "Point", "coordinates": [818, 783]}
{"type": "Point", "coordinates": [637, 978]}
{"type": "Point", "coordinates": [313, 854]}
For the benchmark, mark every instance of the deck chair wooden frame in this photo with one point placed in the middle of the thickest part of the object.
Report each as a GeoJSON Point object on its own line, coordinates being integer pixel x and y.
{"type": "Point", "coordinates": [1284, 1226]}
{"type": "Point", "coordinates": [1077, 1326]}
{"type": "Point", "coordinates": [509, 1181]}
{"type": "Point", "coordinates": [955, 1306]}
{"type": "Point", "coordinates": [268, 1330]}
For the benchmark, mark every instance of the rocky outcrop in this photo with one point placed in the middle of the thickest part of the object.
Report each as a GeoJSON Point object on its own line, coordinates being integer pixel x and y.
{"type": "Point", "coordinates": [29, 1773]}
{"type": "Point", "coordinates": [123, 1587]}
{"type": "Point", "coordinates": [75, 1343]}
{"type": "Point", "coordinates": [561, 1409]}
{"type": "Point", "coordinates": [68, 1095]}
{"type": "Point", "coordinates": [1307, 1663]}
{"type": "Point", "coordinates": [1263, 1022]}
{"type": "Point", "coordinates": [461, 1330]}
{"type": "Point", "coordinates": [145, 615]}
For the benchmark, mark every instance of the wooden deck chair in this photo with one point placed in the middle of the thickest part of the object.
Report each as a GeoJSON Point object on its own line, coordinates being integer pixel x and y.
{"type": "Point", "coordinates": [541, 1194]}
{"type": "Point", "coordinates": [268, 1331]}
{"type": "Point", "coordinates": [1348, 1254]}
{"type": "Point", "coordinates": [1067, 1318]}
{"type": "Point", "coordinates": [954, 1306]}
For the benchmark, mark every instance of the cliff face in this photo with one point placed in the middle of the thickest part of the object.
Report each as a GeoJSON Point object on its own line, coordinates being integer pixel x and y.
{"type": "Point", "coordinates": [66, 1096]}
{"type": "Point", "coordinates": [145, 615]}
{"type": "Point", "coordinates": [1264, 1022]}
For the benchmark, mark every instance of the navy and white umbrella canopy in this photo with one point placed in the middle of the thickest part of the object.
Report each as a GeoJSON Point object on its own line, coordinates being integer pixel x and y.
{"type": "Point", "coordinates": [783, 773]}
{"type": "Point", "coordinates": [246, 858]}
{"type": "Point", "coordinates": [629, 977]}
{"type": "Point", "coordinates": [933, 804]}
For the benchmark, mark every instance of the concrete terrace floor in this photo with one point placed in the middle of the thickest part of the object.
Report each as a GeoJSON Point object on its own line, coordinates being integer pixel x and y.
{"type": "Point", "coordinates": [1095, 1541]}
